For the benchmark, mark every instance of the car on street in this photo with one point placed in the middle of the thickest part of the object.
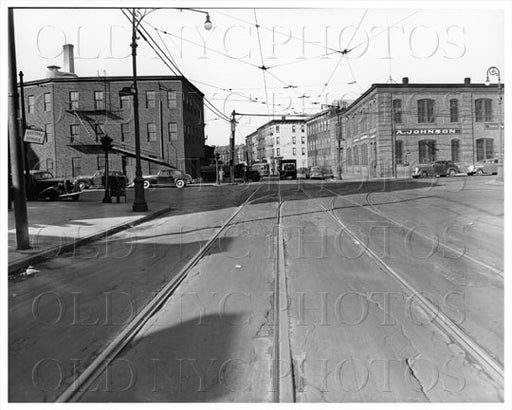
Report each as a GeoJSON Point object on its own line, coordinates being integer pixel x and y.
{"type": "Point", "coordinates": [97, 180]}
{"type": "Point", "coordinates": [436, 169]}
{"type": "Point", "coordinates": [484, 167]}
{"type": "Point", "coordinates": [167, 176]}
{"type": "Point", "coordinates": [320, 173]}
{"type": "Point", "coordinates": [303, 173]}
{"type": "Point", "coordinates": [43, 185]}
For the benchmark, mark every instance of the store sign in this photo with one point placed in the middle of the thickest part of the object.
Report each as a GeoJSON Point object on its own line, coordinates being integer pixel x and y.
{"type": "Point", "coordinates": [435, 131]}
{"type": "Point", "coordinates": [37, 137]}
{"type": "Point", "coordinates": [492, 126]}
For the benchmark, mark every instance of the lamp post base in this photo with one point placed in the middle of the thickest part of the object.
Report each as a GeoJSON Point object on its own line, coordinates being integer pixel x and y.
{"type": "Point", "coordinates": [107, 200]}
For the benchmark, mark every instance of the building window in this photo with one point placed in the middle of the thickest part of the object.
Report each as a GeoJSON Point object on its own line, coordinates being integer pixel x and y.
{"type": "Point", "coordinates": [349, 156]}
{"type": "Point", "coordinates": [48, 129]}
{"type": "Point", "coordinates": [98, 131]}
{"type": "Point", "coordinates": [364, 154]}
{"type": "Point", "coordinates": [303, 150]}
{"type": "Point", "coordinates": [427, 151]}
{"type": "Point", "coordinates": [302, 140]}
{"type": "Point", "coordinates": [124, 101]}
{"type": "Point", "coordinates": [173, 131]}
{"type": "Point", "coordinates": [150, 99]}
{"type": "Point", "coordinates": [483, 110]}
{"type": "Point", "coordinates": [76, 167]}
{"type": "Point", "coordinates": [151, 129]}
{"type": "Point", "coordinates": [484, 148]}
{"type": "Point", "coordinates": [454, 110]}
{"type": "Point", "coordinates": [99, 100]}
{"type": "Point", "coordinates": [425, 110]}
{"type": "Point", "coordinates": [399, 151]}
{"type": "Point", "coordinates": [125, 132]}
{"type": "Point", "coordinates": [293, 128]}
{"type": "Point", "coordinates": [47, 101]}
{"type": "Point", "coordinates": [49, 164]}
{"type": "Point", "coordinates": [397, 111]}
{"type": "Point", "coordinates": [278, 152]}
{"type": "Point", "coordinates": [74, 131]}
{"type": "Point", "coordinates": [294, 140]}
{"type": "Point", "coordinates": [302, 128]}
{"type": "Point", "coordinates": [277, 140]}
{"type": "Point", "coordinates": [171, 99]}
{"type": "Point", "coordinates": [31, 104]}
{"type": "Point", "coordinates": [74, 98]}
{"type": "Point", "coordinates": [277, 128]}
{"type": "Point", "coordinates": [455, 150]}
{"type": "Point", "coordinates": [294, 151]}
{"type": "Point", "coordinates": [355, 153]}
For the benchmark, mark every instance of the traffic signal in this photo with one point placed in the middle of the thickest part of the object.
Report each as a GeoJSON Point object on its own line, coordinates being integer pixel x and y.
{"type": "Point", "coordinates": [217, 156]}
{"type": "Point", "coordinates": [106, 143]}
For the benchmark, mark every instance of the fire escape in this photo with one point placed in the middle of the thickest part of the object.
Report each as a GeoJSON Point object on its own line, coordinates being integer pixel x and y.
{"type": "Point", "coordinates": [88, 120]}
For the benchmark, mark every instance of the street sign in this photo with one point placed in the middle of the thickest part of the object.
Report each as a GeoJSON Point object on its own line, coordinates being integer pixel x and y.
{"type": "Point", "coordinates": [36, 137]}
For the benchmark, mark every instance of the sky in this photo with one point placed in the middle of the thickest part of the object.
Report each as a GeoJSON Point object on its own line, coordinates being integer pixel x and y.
{"type": "Point", "coordinates": [272, 62]}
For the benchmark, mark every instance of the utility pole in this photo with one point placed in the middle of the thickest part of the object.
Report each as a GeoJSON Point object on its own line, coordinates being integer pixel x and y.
{"type": "Point", "coordinates": [16, 146]}
{"type": "Point", "coordinates": [232, 146]}
{"type": "Point", "coordinates": [23, 127]}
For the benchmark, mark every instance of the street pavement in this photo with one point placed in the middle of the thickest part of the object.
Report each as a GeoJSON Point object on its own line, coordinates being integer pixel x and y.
{"type": "Point", "coordinates": [355, 333]}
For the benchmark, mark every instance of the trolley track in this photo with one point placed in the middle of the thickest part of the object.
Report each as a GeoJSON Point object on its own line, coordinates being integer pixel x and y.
{"type": "Point", "coordinates": [107, 355]}
{"type": "Point", "coordinates": [491, 366]}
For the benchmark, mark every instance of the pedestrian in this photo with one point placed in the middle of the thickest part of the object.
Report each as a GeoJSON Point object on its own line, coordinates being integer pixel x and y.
{"type": "Point", "coordinates": [245, 173]}
{"type": "Point", "coordinates": [221, 176]}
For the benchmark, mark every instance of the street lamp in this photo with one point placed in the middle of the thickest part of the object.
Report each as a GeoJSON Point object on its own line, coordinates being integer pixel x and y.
{"type": "Point", "coordinates": [494, 71]}
{"type": "Point", "coordinates": [139, 203]}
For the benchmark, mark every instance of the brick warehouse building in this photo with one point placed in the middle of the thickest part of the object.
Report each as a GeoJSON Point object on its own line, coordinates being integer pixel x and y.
{"type": "Point", "coordinates": [76, 111]}
{"type": "Point", "coordinates": [428, 122]}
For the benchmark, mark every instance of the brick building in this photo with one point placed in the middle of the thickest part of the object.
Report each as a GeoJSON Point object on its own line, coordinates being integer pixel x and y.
{"type": "Point", "coordinates": [75, 112]}
{"type": "Point", "coordinates": [392, 127]}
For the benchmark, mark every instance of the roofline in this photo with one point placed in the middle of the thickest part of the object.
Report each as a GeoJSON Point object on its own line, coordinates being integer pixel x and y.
{"type": "Point", "coordinates": [419, 85]}
{"type": "Point", "coordinates": [113, 79]}
{"type": "Point", "coordinates": [280, 121]}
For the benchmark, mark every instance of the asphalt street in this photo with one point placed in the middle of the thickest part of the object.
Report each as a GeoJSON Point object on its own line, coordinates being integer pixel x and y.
{"type": "Point", "coordinates": [304, 291]}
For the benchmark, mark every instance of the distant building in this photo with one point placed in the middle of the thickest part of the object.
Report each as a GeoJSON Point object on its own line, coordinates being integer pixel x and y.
{"type": "Point", "coordinates": [285, 138]}
{"type": "Point", "coordinates": [225, 153]}
{"type": "Point", "coordinates": [396, 126]}
{"type": "Point", "coordinates": [75, 112]}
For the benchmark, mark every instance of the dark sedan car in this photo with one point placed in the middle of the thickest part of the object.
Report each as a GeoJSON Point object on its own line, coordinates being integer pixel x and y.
{"type": "Point", "coordinates": [98, 179]}
{"type": "Point", "coordinates": [43, 185]}
{"type": "Point", "coordinates": [436, 169]}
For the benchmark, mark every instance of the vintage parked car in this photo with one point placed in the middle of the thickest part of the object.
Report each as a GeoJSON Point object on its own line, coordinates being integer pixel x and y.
{"type": "Point", "coordinates": [320, 173]}
{"type": "Point", "coordinates": [303, 173]}
{"type": "Point", "coordinates": [436, 169]}
{"type": "Point", "coordinates": [486, 166]}
{"type": "Point", "coordinates": [43, 185]}
{"type": "Point", "coordinates": [167, 176]}
{"type": "Point", "coordinates": [98, 179]}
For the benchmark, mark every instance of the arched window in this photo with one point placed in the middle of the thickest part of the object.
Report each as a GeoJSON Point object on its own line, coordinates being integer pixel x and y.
{"type": "Point", "coordinates": [426, 110]}
{"type": "Point", "coordinates": [397, 111]}
{"type": "Point", "coordinates": [454, 110]}
{"type": "Point", "coordinates": [355, 153]}
{"type": "Point", "coordinates": [484, 148]}
{"type": "Point", "coordinates": [455, 150]}
{"type": "Point", "coordinates": [364, 154]}
{"type": "Point", "coordinates": [349, 156]}
{"type": "Point", "coordinates": [399, 151]}
{"type": "Point", "coordinates": [483, 110]}
{"type": "Point", "coordinates": [427, 151]}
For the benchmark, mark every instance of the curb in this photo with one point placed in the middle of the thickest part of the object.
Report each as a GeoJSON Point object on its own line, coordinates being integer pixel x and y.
{"type": "Point", "coordinates": [57, 250]}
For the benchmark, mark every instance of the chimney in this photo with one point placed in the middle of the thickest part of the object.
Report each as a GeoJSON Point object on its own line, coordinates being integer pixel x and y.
{"type": "Point", "coordinates": [69, 61]}
{"type": "Point", "coordinates": [405, 80]}
{"type": "Point", "coordinates": [467, 80]}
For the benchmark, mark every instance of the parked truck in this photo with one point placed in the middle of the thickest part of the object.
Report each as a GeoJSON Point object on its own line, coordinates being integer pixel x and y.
{"type": "Point", "coordinates": [288, 169]}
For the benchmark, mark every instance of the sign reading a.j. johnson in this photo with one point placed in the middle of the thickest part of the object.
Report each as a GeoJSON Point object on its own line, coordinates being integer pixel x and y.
{"type": "Point", "coordinates": [427, 131]}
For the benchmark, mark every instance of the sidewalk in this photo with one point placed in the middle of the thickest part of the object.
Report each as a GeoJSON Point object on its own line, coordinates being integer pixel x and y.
{"type": "Point", "coordinates": [59, 226]}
